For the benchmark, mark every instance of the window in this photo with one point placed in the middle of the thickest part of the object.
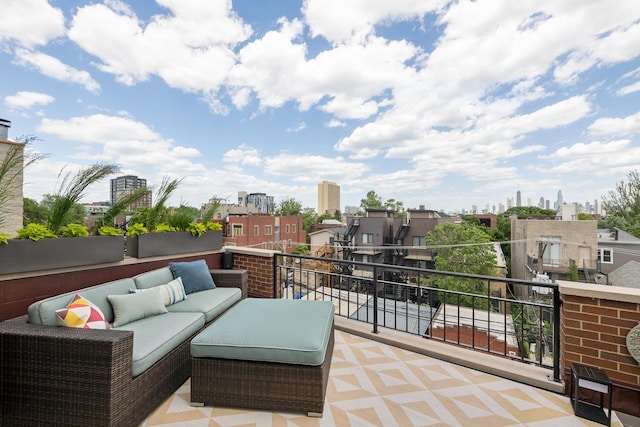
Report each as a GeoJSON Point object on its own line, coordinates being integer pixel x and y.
{"type": "Point", "coordinates": [290, 243]}
{"type": "Point", "coordinates": [268, 231]}
{"type": "Point", "coordinates": [286, 228]}
{"type": "Point", "coordinates": [605, 255]}
{"type": "Point", "coordinates": [256, 230]}
{"type": "Point", "coordinates": [367, 237]}
{"type": "Point", "coordinates": [418, 241]}
{"type": "Point", "coordinates": [552, 250]}
{"type": "Point", "coordinates": [294, 228]}
{"type": "Point", "coordinates": [237, 230]}
{"type": "Point", "coordinates": [367, 259]}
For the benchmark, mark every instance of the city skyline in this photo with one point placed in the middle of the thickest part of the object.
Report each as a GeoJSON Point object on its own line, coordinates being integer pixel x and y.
{"type": "Point", "coordinates": [445, 104]}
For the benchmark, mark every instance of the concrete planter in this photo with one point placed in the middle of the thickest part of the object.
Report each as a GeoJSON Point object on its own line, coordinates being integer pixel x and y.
{"type": "Point", "coordinates": [178, 242]}
{"type": "Point", "coordinates": [19, 255]}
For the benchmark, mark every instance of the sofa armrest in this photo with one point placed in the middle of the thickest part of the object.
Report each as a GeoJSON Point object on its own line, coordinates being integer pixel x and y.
{"type": "Point", "coordinates": [231, 279]}
{"type": "Point", "coordinates": [47, 370]}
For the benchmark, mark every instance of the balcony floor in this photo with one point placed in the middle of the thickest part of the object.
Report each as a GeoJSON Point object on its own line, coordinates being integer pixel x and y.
{"type": "Point", "coordinates": [374, 384]}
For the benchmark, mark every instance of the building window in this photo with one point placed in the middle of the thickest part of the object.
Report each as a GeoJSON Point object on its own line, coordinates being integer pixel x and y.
{"type": "Point", "coordinates": [268, 231]}
{"type": "Point", "coordinates": [418, 241]}
{"type": "Point", "coordinates": [237, 230]}
{"type": "Point", "coordinates": [290, 243]}
{"type": "Point", "coordinates": [264, 245]}
{"type": "Point", "coordinates": [367, 259]}
{"type": "Point", "coordinates": [605, 255]}
{"type": "Point", "coordinates": [286, 228]}
{"type": "Point", "coordinates": [294, 228]}
{"type": "Point", "coordinates": [552, 250]}
{"type": "Point", "coordinates": [256, 230]}
{"type": "Point", "coordinates": [367, 237]}
{"type": "Point", "coordinates": [270, 245]}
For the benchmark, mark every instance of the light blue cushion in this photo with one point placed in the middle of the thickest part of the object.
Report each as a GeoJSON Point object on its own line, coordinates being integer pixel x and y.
{"type": "Point", "coordinates": [172, 292]}
{"type": "Point", "coordinates": [154, 337]}
{"type": "Point", "coordinates": [130, 307]}
{"type": "Point", "coordinates": [195, 275]}
{"type": "Point", "coordinates": [211, 302]}
{"type": "Point", "coordinates": [269, 330]}
{"type": "Point", "coordinates": [43, 312]}
{"type": "Point", "coordinates": [152, 278]}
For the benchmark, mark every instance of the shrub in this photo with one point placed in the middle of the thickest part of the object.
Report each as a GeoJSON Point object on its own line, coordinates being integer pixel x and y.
{"type": "Point", "coordinates": [216, 226]}
{"type": "Point", "coordinates": [164, 228]}
{"type": "Point", "coordinates": [74, 230]}
{"type": "Point", "coordinates": [136, 230]}
{"type": "Point", "coordinates": [107, 230]}
{"type": "Point", "coordinates": [196, 229]}
{"type": "Point", "coordinates": [35, 232]}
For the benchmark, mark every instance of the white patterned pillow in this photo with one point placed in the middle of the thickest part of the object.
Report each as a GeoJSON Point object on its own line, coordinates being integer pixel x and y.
{"type": "Point", "coordinates": [81, 313]}
{"type": "Point", "coordinates": [171, 292]}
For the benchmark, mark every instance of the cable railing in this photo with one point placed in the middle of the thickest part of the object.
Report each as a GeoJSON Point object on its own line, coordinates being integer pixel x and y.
{"type": "Point", "coordinates": [510, 318]}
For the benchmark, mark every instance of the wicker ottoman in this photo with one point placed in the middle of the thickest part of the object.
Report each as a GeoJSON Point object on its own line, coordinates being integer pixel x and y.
{"type": "Point", "coordinates": [265, 354]}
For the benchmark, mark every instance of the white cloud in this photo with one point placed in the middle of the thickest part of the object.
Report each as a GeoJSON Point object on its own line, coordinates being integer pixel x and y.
{"type": "Point", "coordinates": [609, 126]}
{"type": "Point", "coordinates": [190, 48]}
{"type": "Point", "coordinates": [27, 99]}
{"type": "Point", "coordinates": [344, 21]}
{"type": "Point", "coordinates": [243, 155]}
{"type": "Point", "coordinates": [626, 90]}
{"type": "Point", "coordinates": [52, 67]}
{"type": "Point", "coordinates": [30, 23]}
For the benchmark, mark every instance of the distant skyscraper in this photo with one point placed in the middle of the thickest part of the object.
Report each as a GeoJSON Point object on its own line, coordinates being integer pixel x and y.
{"type": "Point", "coordinates": [559, 201]}
{"type": "Point", "coordinates": [126, 184]}
{"type": "Point", "coordinates": [328, 198]}
{"type": "Point", "coordinates": [541, 203]}
{"type": "Point", "coordinates": [518, 198]}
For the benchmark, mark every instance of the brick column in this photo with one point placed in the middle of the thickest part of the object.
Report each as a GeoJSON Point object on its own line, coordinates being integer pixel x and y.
{"type": "Point", "coordinates": [259, 264]}
{"type": "Point", "coordinates": [595, 321]}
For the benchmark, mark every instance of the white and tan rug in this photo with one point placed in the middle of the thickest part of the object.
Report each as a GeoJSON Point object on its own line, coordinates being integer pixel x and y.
{"type": "Point", "coordinates": [373, 384]}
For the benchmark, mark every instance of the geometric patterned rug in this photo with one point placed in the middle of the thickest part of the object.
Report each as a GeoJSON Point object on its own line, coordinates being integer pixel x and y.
{"type": "Point", "coordinates": [374, 384]}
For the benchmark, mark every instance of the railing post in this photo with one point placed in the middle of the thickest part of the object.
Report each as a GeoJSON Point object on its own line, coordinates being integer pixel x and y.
{"type": "Point", "coordinates": [375, 299]}
{"type": "Point", "coordinates": [556, 333]}
{"type": "Point", "coordinates": [276, 281]}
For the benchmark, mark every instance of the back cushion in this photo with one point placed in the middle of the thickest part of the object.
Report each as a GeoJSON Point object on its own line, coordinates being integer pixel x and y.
{"type": "Point", "coordinates": [44, 312]}
{"type": "Point", "coordinates": [157, 277]}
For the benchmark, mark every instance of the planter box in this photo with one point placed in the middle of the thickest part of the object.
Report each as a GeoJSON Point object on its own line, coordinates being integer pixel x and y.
{"type": "Point", "coordinates": [20, 255]}
{"type": "Point", "coordinates": [177, 242]}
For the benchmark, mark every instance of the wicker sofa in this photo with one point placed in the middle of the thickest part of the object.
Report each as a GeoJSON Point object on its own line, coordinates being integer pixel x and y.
{"type": "Point", "coordinates": [51, 375]}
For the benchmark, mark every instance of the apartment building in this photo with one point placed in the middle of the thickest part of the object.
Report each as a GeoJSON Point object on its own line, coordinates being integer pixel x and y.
{"type": "Point", "coordinates": [550, 246]}
{"type": "Point", "coordinates": [328, 198]}
{"type": "Point", "coordinates": [282, 233]}
{"type": "Point", "coordinates": [11, 208]}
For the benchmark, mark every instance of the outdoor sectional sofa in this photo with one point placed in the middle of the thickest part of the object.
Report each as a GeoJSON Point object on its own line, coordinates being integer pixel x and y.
{"type": "Point", "coordinates": [72, 376]}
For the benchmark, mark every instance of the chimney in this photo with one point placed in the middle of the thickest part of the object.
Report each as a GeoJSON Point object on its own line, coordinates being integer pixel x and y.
{"type": "Point", "coordinates": [4, 129]}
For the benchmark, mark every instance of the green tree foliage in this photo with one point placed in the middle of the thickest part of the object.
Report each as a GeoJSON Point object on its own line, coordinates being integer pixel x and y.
{"type": "Point", "coordinates": [301, 250]}
{"type": "Point", "coordinates": [371, 201]}
{"type": "Point", "coordinates": [288, 207]}
{"type": "Point", "coordinates": [585, 217]}
{"type": "Point", "coordinates": [623, 204]}
{"type": "Point", "coordinates": [181, 217]}
{"type": "Point", "coordinates": [309, 217]}
{"type": "Point", "coordinates": [463, 248]}
{"type": "Point", "coordinates": [33, 212]}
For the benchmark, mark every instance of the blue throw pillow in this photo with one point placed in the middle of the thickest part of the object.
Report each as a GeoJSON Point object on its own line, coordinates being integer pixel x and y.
{"type": "Point", "coordinates": [194, 274]}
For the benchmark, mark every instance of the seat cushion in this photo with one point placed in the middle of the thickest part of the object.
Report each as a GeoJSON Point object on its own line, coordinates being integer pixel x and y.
{"type": "Point", "coordinates": [212, 302]}
{"type": "Point", "coordinates": [282, 331]}
{"type": "Point", "coordinates": [154, 337]}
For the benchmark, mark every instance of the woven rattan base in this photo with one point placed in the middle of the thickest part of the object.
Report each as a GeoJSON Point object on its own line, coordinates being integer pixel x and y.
{"type": "Point", "coordinates": [261, 385]}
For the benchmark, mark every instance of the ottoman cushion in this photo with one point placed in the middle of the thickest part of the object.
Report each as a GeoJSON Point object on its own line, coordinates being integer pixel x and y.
{"type": "Point", "coordinates": [269, 330]}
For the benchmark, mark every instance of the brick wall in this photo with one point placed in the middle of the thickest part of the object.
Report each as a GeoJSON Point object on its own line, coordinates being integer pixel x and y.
{"type": "Point", "coordinates": [259, 265]}
{"type": "Point", "coordinates": [595, 321]}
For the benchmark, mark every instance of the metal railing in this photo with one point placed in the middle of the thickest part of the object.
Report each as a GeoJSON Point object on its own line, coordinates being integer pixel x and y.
{"type": "Point", "coordinates": [515, 319]}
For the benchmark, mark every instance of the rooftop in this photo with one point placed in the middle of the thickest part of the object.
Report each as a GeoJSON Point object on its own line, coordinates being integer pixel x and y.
{"type": "Point", "coordinates": [377, 384]}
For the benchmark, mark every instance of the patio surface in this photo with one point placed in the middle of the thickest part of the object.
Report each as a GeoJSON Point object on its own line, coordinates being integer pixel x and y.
{"type": "Point", "coordinates": [374, 384]}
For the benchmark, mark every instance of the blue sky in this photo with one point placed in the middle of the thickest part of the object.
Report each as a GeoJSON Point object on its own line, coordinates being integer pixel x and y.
{"type": "Point", "coordinates": [446, 104]}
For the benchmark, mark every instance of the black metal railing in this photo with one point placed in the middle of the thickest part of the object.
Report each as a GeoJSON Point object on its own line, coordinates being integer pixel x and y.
{"type": "Point", "coordinates": [515, 319]}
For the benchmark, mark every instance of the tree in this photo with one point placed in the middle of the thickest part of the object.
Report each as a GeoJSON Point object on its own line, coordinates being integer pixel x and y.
{"type": "Point", "coordinates": [463, 248]}
{"type": "Point", "coordinates": [32, 212]}
{"type": "Point", "coordinates": [309, 217]}
{"type": "Point", "coordinates": [623, 204]}
{"type": "Point", "coordinates": [371, 201]}
{"type": "Point", "coordinates": [288, 207]}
